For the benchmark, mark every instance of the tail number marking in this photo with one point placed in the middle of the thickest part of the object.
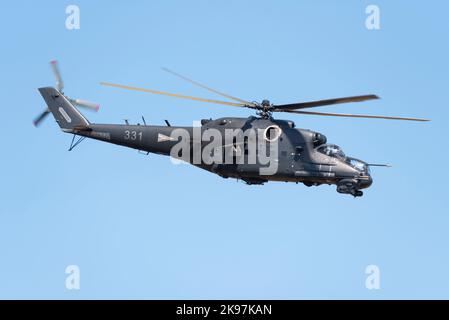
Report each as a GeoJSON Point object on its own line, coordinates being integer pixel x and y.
{"type": "Point", "coordinates": [133, 135]}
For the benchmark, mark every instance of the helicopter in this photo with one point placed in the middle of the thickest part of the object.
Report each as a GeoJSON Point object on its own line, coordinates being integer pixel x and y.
{"type": "Point", "coordinates": [256, 149]}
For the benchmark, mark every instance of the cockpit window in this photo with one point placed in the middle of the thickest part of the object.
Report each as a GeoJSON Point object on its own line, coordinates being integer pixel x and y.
{"type": "Point", "coordinates": [358, 165]}
{"type": "Point", "coordinates": [335, 151]}
{"type": "Point", "coordinates": [332, 150]}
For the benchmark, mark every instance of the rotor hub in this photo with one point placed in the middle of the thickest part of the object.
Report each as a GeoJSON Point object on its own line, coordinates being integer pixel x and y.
{"type": "Point", "coordinates": [264, 109]}
{"type": "Point", "coordinates": [265, 103]}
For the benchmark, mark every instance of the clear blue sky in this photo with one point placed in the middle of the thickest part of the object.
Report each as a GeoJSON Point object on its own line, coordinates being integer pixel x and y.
{"type": "Point", "coordinates": [140, 227]}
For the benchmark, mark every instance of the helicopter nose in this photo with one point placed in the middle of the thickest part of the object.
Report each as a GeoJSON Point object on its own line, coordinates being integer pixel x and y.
{"type": "Point", "coordinates": [365, 182]}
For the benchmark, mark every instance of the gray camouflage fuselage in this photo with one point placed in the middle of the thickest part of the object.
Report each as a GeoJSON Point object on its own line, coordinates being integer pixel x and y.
{"type": "Point", "coordinates": [298, 158]}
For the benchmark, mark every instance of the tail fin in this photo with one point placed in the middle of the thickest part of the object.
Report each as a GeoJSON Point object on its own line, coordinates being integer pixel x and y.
{"type": "Point", "coordinates": [66, 115]}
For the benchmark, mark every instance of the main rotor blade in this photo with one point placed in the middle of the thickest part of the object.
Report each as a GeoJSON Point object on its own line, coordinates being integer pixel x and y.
{"type": "Point", "coordinates": [208, 88]}
{"type": "Point", "coordinates": [320, 103]}
{"type": "Point", "coordinates": [351, 115]}
{"type": "Point", "coordinates": [41, 117]}
{"type": "Point", "coordinates": [57, 74]}
{"type": "Point", "coordinates": [173, 95]}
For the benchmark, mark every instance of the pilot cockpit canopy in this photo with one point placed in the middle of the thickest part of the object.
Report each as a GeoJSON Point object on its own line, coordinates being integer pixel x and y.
{"type": "Point", "coordinates": [332, 150]}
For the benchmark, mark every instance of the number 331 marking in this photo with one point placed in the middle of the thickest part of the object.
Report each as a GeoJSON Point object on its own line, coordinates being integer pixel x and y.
{"type": "Point", "coordinates": [133, 135]}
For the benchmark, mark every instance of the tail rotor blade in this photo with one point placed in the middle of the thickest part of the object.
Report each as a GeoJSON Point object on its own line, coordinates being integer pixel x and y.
{"type": "Point", "coordinates": [41, 117]}
{"type": "Point", "coordinates": [85, 104]}
{"type": "Point", "coordinates": [57, 74]}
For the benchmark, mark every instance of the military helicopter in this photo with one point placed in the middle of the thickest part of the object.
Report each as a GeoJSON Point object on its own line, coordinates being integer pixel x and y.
{"type": "Point", "coordinates": [301, 155]}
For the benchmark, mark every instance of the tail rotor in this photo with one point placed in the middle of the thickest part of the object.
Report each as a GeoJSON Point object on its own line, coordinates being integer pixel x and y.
{"type": "Point", "coordinates": [60, 86]}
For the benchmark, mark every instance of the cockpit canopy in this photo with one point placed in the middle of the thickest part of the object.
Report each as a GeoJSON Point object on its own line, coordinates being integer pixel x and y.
{"type": "Point", "coordinates": [335, 151]}
{"type": "Point", "coordinates": [358, 165]}
{"type": "Point", "coordinates": [319, 139]}
{"type": "Point", "coordinates": [332, 150]}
